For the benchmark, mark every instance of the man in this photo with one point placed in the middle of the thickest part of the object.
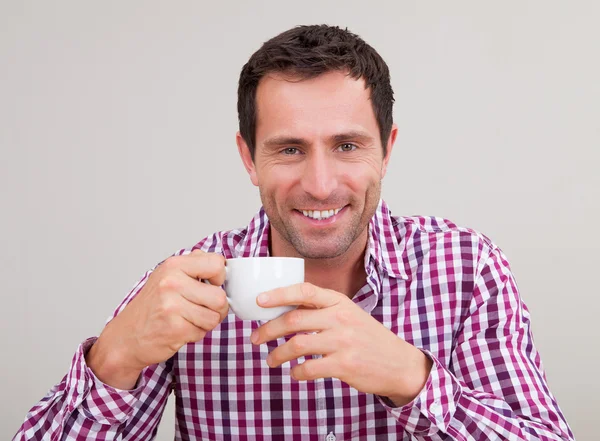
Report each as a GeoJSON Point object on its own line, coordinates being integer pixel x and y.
{"type": "Point", "coordinates": [409, 328]}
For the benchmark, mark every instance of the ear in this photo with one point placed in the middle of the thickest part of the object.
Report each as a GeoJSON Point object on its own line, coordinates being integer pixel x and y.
{"type": "Point", "coordinates": [390, 146]}
{"type": "Point", "coordinates": [244, 152]}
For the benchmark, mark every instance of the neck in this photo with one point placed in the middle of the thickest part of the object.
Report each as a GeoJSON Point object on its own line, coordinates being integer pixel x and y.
{"type": "Point", "coordinates": [344, 273]}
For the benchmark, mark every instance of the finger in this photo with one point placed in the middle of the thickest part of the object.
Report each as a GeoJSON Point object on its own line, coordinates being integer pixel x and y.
{"type": "Point", "coordinates": [302, 345]}
{"type": "Point", "coordinates": [187, 332]}
{"type": "Point", "coordinates": [200, 265]}
{"type": "Point", "coordinates": [199, 316]}
{"type": "Point", "coordinates": [315, 368]}
{"type": "Point", "coordinates": [298, 320]}
{"type": "Point", "coordinates": [213, 297]}
{"type": "Point", "coordinates": [300, 294]}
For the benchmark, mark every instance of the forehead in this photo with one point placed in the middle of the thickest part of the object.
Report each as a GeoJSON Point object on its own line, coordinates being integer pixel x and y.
{"type": "Point", "coordinates": [317, 107]}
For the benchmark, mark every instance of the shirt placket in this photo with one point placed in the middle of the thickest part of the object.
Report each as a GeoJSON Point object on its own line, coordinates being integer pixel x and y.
{"type": "Point", "coordinates": [321, 405]}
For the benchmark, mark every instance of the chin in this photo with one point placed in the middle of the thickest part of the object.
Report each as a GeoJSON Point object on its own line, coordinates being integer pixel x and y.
{"type": "Point", "coordinates": [319, 252]}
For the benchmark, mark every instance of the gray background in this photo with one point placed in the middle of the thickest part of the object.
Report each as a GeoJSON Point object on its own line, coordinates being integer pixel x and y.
{"type": "Point", "coordinates": [117, 124]}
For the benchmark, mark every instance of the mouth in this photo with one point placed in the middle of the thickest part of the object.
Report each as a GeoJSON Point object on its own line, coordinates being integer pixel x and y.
{"type": "Point", "coordinates": [320, 215]}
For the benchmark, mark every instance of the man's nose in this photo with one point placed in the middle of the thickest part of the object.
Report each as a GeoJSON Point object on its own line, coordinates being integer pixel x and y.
{"type": "Point", "coordinates": [319, 178]}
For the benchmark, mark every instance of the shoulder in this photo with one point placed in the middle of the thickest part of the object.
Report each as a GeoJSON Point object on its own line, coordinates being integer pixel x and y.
{"type": "Point", "coordinates": [438, 227]}
{"type": "Point", "coordinates": [424, 234]}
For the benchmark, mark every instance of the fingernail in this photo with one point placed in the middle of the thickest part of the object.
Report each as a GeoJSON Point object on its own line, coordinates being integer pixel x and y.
{"type": "Point", "coordinates": [254, 337]}
{"type": "Point", "coordinates": [262, 298]}
{"type": "Point", "coordinates": [269, 359]}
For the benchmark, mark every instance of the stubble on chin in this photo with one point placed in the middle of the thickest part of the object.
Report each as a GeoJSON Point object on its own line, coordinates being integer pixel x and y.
{"type": "Point", "coordinates": [323, 246]}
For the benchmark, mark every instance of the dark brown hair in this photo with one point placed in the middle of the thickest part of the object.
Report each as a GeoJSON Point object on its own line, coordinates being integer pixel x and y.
{"type": "Point", "coordinates": [309, 51]}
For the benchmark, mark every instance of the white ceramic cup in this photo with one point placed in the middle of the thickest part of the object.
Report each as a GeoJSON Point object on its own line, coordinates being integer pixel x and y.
{"type": "Point", "coordinates": [247, 277]}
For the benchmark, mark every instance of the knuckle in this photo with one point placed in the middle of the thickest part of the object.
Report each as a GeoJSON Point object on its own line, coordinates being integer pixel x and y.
{"type": "Point", "coordinates": [343, 316]}
{"type": "Point", "coordinates": [293, 318]}
{"type": "Point", "coordinates": [308, 290]}
{"type": "Point", "coordinates": [175, 346]}
{"type": "Point", "coordinates": [199, 335]}
{"type": "Point", "coordinates": [174, 325]}
{"type": "Point", "coordinates": [213, 319]}
{"type": "Point", "coordinates": [168, 283]}
{"type": "Point", "coordinates": [214, 259]}
{"type": "Point", "coordinates": [341, 299]}
{"type": "Point", "coordinates": [275, 357]}
{"type": "Point", "coordinates": [167, 306]}
{"type": "Point", "coordinates": [221, 300]}
{"type": "Point", "coordinates": [171, 262]}
{"type": "Point", "coordinates": [212, 263]}
{"type": "Point", "coordinates": [308, 370]}
{"type": "Point", "coordinates": [193, 337]}
{"type": "Point", "coordinates": [297, 344]}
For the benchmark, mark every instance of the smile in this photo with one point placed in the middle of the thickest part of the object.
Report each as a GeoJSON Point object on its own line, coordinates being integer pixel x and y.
{"type": "Point", "coordinates": [320, 214]}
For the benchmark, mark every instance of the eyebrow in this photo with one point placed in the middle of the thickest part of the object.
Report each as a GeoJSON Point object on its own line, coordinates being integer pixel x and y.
{"type": "Point", "coordinates": [359, 136]}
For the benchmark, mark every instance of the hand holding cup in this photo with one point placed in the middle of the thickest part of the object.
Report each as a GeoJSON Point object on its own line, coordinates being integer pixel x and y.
{"type": "Point", "coordinates": [173, 308]}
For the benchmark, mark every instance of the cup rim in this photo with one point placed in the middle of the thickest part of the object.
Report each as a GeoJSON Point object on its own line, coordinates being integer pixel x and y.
{"type": "Point", "coordinates": [264, 258]}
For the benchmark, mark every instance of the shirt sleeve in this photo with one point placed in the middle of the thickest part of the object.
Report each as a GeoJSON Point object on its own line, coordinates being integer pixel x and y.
{"type": "Point", "coordinates": [81, 407]}
{"type": "Point", "coordinates": [495, 386]}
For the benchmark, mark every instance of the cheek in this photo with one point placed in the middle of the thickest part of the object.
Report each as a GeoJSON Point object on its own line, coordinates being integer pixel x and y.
{"type": "Point", "coordinates": [277, 180]}
{"type": "Point", "coordinates": [360, 176]}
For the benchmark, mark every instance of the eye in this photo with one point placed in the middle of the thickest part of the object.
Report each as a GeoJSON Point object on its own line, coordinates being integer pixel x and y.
{"type": "Point", "coordinates": [347, 147]}
{"type": "Point", "coordinates": [290, 151]}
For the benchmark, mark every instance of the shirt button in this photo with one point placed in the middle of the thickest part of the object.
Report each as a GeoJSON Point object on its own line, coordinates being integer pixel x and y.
{"type": "Point", "coordinates": [435, 408]}
{"type": "Point", "coordinates": [330, 437]}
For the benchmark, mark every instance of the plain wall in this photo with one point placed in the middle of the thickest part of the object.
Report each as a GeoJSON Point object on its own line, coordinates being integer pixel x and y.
{"type": "Point", "coordinates": [117, 138]}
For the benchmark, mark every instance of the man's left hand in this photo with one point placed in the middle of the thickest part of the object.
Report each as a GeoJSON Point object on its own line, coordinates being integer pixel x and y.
{"type": "Point", "coordinates": [356, 348]}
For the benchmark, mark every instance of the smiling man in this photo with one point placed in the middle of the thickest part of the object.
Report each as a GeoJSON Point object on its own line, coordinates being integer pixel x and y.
{"type": "Point", "coordinates": [409, 327]}
{"type": "Point", "coordinates": [319, 166]}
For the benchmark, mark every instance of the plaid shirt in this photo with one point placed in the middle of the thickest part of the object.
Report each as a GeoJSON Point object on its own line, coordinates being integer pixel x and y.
{"type": "Point", "coordinates": [445, 289]}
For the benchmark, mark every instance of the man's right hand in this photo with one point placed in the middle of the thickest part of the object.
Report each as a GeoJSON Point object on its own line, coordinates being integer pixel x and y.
{"type": "Point", "coordinates": [173, 308]}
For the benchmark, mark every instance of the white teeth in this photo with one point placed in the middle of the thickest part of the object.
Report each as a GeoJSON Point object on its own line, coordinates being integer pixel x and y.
{"type": "Point", "coordinates": [320, 214]}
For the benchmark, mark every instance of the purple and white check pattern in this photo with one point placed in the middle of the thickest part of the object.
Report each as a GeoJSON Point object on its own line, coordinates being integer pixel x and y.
{"type": "Point", "coordinates": [447, 290]}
